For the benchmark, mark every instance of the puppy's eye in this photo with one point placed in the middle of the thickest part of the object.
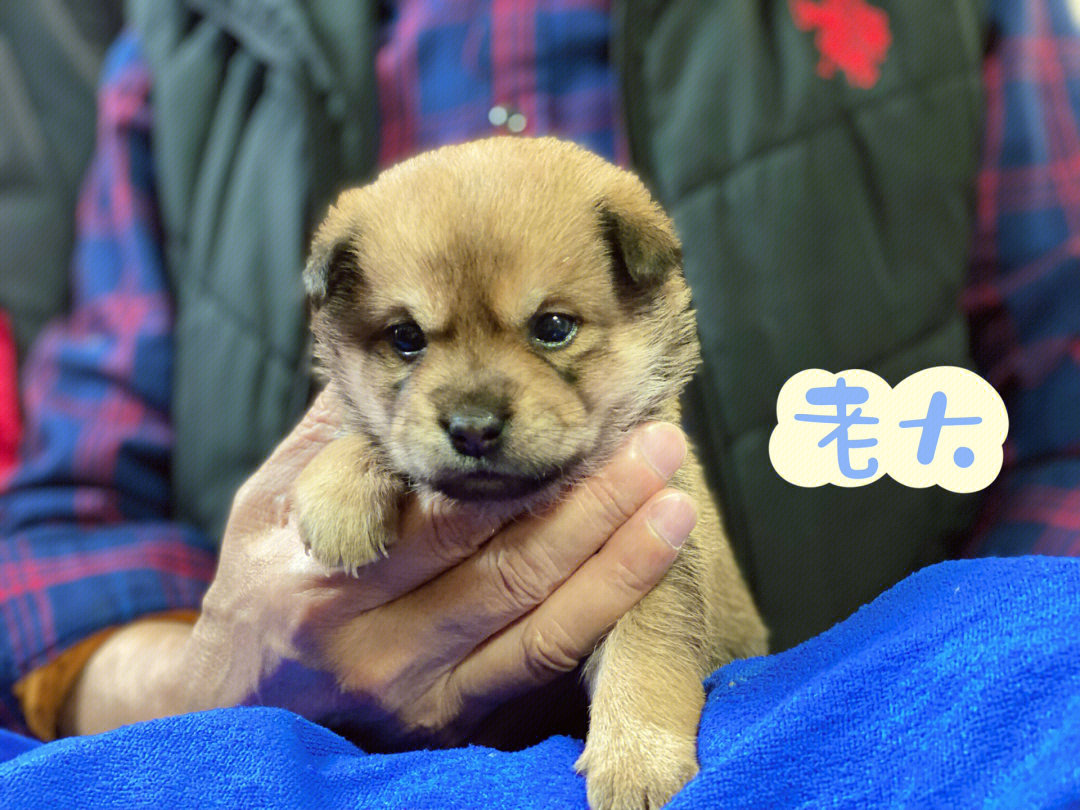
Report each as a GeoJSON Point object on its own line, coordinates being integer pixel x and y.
{"type": "Point", "coordinates": [553, 329]}
{"type": "Point", "coordinates": [407, 339]}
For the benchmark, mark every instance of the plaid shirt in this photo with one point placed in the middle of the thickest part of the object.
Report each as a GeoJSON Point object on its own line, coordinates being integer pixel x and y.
{"type": "Point", "coordinates": [85, 536]}
{"type": "Point", "coordinates": [450, 71]}
{"type": "Point", "coordinates": [1024, 296]}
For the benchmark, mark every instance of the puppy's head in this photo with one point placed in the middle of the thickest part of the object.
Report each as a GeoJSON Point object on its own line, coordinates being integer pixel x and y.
{"type": "Point", "coordinates": [499, 313]}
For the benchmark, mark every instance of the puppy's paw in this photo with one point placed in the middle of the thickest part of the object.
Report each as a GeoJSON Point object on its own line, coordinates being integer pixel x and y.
{"type": "Point", "coordinates": [349, 537]}
{"type": "Point", "coordinates": [636, 769]}
{"type": "Point", "coordinates": [346, 509]}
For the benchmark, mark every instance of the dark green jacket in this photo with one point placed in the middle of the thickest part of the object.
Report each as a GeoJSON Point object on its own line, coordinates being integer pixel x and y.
{"type": "Point", "coordinates": [50, 56]}
{"type": "Point", "coordinates": [824, 226]}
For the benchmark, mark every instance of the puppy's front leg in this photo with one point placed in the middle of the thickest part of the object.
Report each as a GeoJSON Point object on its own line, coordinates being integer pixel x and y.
{"type": "Point", "coordinates": [347, 505]}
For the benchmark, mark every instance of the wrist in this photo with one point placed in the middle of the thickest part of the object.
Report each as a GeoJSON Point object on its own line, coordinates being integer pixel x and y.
{"type": "Point", "coordinates": [137, 674]}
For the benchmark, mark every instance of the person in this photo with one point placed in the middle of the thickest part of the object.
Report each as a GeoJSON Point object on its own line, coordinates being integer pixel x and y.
{"type": "Point", "coordinates": [259, 111]}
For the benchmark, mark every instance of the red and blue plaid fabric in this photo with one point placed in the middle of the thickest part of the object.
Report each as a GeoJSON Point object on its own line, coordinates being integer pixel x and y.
{"type": "Point", "coordinates": [1024, 296]}
{"type": "Point", "coordinates": [85, 536]}
{"type": "Point", "coordinates": [445, 64]}
{"type": "Point", "coordinates": [10, 422]}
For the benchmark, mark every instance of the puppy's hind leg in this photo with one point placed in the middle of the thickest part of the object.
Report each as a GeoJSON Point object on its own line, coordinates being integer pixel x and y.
{"type": "Point", "coordinates": [646, 676]}
{"type": "Point", "coordinates": [346, 505]}
{"type": "Point", "coordinates": [646, 703]}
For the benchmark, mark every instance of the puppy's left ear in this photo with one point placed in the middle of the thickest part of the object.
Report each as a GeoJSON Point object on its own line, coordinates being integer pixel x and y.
{"type": "Point", "coordinates": [640, 237]}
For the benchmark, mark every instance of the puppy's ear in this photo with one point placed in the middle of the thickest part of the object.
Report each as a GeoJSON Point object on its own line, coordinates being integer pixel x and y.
{"type": "Point", "coordinates": [332, 266]}
{"type": "Point", "coordinates": [329, 270]}
{"type": "Point", "coordinates": [640, 237]}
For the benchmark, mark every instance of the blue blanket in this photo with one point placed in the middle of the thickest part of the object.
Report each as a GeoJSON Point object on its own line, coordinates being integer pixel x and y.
{"type": "Point", "coordinates": [958, 687]}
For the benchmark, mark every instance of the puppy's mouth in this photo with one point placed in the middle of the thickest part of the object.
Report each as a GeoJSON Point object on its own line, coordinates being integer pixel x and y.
{"type": "Point", "coordinates": [483, 485]}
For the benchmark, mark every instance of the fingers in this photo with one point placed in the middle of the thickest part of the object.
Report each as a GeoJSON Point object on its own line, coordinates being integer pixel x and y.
{"type": "Point", "coordinates": [566, 627]}
{"type": "Point", "coordinates": [523, 564]}
{"type": "Point", "coordinates": [432, 538]}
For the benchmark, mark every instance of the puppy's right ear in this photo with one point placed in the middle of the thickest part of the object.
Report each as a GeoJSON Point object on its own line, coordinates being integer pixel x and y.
{"type": "Point", "coordinates": [329, 270]}
{"type": "Point", "coordinates": [333, 266]}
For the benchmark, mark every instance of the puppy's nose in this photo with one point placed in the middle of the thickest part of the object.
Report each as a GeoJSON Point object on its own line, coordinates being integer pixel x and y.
{"type": "Point", "coordinates": [474, 430]}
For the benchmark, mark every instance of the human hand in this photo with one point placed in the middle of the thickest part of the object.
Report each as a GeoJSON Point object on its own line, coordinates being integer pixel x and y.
{"type": "Point", "coordinates": [424, 643]}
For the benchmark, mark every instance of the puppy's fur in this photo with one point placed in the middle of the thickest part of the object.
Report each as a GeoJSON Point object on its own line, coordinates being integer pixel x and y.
{"type": "Point", "coordinates": [478, 246]}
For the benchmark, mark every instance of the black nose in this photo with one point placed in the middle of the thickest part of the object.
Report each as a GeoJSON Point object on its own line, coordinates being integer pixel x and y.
{"type": "Point", "coordinates": [474, 430]}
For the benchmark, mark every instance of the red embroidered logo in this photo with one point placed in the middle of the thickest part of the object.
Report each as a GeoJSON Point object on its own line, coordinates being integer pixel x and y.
{"type": "Point", "coordinates": [851, 35]}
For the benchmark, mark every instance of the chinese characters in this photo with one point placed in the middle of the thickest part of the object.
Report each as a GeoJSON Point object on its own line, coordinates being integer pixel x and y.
{"type": "Point", "coordinates": [943, 426]}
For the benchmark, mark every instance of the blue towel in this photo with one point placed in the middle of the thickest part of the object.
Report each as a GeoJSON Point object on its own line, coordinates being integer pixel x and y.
{"type": "Point", "coordinates": [959, 687]}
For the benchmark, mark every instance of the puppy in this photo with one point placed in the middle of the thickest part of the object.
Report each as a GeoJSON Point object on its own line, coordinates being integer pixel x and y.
{"type": "Point", "coordinates": [498, 315]}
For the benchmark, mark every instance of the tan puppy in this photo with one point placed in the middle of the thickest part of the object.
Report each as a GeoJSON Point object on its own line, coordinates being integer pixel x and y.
{"type": "Point", "coordinates": [498, 315]}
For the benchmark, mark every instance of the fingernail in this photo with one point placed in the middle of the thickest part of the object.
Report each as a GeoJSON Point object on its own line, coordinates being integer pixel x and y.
{"type": "Point", "coordinates": [664, 447]}
{"type": "Point", "coordinates": [672, 518]}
